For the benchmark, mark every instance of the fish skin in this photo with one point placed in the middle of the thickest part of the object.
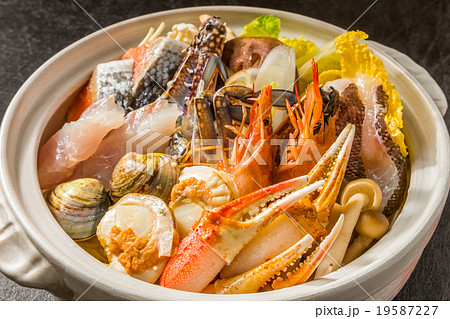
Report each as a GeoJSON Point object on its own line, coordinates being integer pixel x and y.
{"type": "Point", "coordinates": [351, 110]}
{"type": "Point", "coordinates": [394, 153]}
{"type": "Point", "coordinates": [114, 78]}
{"type": "Point", "coordinates": [110, 78]}
{"type": "Point", "coordinates": [163, 57]}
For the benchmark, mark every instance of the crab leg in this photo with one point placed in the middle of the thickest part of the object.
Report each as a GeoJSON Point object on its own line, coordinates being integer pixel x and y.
{"type": "Point", "coordinates": [222, 108]}
{"type": "Point", "coordinates": [257, 277]}
{"type": "Point", "coordinates": [221, 233]}
{"type": "Point", "coordinates": [324, 202]}
{"type": "Point", "coordinates": [214, 66]}
{"type": "Point", "coordinates": [305, 270]}
{"type": "Point", "coordinates": [238, 233]}
{"type": "Point", "coordinates": [252, 280]}
{"type": "Point", "coordinates": [290, 228]}
{"type": "Point", "coordinates": [205, 119]}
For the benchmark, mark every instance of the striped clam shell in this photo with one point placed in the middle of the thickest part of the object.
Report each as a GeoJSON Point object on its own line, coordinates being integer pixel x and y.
{"type": "Point", "coordinates": [78, 206]}
{"type": "Point", "coordinates": [152, 174]}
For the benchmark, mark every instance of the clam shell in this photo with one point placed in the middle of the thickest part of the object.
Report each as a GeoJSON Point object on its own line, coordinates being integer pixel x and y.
{"type": "Point", "coordinates": [78, 206]}
{"type": "Point", "coordinates": [152, 174]}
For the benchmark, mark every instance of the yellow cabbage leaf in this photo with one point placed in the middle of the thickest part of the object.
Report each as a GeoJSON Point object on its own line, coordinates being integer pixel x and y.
{"type": "Point", "coordinates": [326, 59]}
{"type": "Point", "coordinates": [329, 75]}
{"type": "Point", "coordinates": [304, 49]}
{"type": "Point", "coordinates": [357, 58]}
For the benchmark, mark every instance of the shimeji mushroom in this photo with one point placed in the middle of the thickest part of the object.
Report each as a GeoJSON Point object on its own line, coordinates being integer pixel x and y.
{"type": "Point", "coordinates": [358, 195]}
{"type": "Point", "coordinates": [371, 225]}
{"type": "Point", "coordinates": [336, 212]}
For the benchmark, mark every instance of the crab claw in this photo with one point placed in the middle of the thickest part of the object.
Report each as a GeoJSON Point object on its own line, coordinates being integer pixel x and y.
{"type": "Point", "coordinates": [306, 268]}
{"type": "Point", "coordinates": [310, 215]}
{"type": "Point", "coordinates": [252, 280]}
{"type": "Point", "coordinates": [332, 167]}
{"type": "Point", "coordinates": [221, 233]}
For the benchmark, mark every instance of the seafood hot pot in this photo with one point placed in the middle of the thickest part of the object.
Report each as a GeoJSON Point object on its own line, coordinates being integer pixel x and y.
{"type": "Point", "coordinates": [36, 252]}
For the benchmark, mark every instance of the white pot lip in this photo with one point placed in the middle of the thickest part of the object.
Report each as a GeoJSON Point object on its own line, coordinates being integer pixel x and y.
{"type": "Point", "coordinates": [52, 252]}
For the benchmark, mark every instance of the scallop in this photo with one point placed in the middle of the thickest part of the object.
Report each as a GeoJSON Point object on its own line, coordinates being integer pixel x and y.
{"type": "Point", "coordinates": [152, 173]}
{"type": "Point", "coordinates": [139, 235]}
{"type": "Point", "coordinates": [78, 206]}
{"type": "Point", "coordinates": [199, 188]}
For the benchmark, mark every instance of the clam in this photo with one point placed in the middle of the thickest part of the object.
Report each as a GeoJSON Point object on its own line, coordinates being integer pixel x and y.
{"type": "Point", "coordinates": [139, 235]}
{"type": "Point", "coordinates": [152, 173]}
{"type": "Point", "coordinates": [78, 206]}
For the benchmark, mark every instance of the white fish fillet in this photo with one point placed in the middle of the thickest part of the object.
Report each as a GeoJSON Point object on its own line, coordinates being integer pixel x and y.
{"type": "Point", "coordinates": [340, 84]}
{"type": "Point", "coordinates": [379, 166]}
{"type": "Point", "coordinates": [144, 130]}
{"type": "Point", "coordinates": [76, 141]}
{"type": "Point", "coordinates": [377, 163]}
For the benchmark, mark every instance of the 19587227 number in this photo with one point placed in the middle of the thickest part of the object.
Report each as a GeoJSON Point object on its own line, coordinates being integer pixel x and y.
{"type": "Point", "coordinates": [406, 310]}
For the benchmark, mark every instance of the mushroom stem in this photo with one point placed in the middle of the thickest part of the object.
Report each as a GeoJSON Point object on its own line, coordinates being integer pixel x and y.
{"type": "Point", "coordinates": [358, 246]}
{"type": "Point", "coordinates": [359, 195]}
{"type": "Point", "coordinates": [334, 216]}
{"type": "Point", "coordinates": [371, 225]}
{"type": "Point", "coordinates": [351, 212]}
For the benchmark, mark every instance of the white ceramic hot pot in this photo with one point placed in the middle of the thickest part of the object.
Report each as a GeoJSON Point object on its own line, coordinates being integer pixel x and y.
{"type": "Point", "coordinates": [36, 252]}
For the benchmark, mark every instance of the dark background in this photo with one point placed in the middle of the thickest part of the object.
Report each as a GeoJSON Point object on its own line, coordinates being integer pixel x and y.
{"type": "Point", "coordinates": [32, 31]}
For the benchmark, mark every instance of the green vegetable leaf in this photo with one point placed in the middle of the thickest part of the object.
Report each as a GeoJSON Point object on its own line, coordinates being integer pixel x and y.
{"type": "Point", "coordinates": [266, 25]}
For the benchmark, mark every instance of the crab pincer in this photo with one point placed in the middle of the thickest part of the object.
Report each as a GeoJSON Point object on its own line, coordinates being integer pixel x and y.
{"type": "Point", "coordinates": [252, 280]}
{"type": "Point", "coordinates": [221, 233]}
{"type": "Point", "coordinates": [310, 215]}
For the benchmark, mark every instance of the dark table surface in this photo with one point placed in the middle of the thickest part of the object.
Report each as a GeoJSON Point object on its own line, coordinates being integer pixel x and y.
{"type": "Point", "coordinates": [31, 31]}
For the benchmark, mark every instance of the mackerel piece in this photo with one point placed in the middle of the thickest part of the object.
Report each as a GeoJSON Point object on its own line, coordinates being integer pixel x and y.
{"type": "Point", "coordinates": [114, 78]}
{"type": "Point", "coordinates": [162, 60]}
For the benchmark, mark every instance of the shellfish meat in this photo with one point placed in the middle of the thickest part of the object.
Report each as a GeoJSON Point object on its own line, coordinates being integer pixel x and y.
{"type": "Point", "coordinates": [139, 235]}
